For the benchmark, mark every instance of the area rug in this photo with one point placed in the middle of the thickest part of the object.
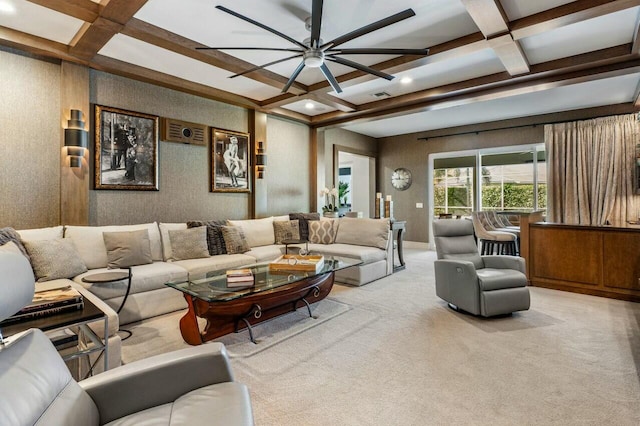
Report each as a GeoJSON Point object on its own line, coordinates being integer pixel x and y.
{"type": "Point", "coordinates": [162, 334]}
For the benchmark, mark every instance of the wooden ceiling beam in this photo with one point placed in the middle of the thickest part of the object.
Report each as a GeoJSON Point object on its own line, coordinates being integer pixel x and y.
{"type": "Point", "coordinates": [510, 54]}
{"type": "Point", "coordinates": [333, 101]}
{"type": "Point", "coordinates": [567, 14]}
{"type": "Point", "coordinates": [489, 94]}
{"type": "Point", "coordinates": [588, 64]}
{"type": "Point", "coordinates": [85, 10]}
{"type": "Point", "coordinates": [488, 15]}
{"type": "Point", "coordinates": [164, 39]}
{"type": "Point", "coordinates": [36, 45]}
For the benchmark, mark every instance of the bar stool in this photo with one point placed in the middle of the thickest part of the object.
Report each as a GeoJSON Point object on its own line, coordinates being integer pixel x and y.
{"type": "Point", "coordinates": [493, 242]}
{"type": "Point", "coordinates": [495, 224]}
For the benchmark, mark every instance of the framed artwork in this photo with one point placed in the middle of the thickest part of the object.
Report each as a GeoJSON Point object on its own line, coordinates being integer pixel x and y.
{"type": "Point", "coordinates": [230, 166]}
{"type": "Point", "coordinates": [126, 149]}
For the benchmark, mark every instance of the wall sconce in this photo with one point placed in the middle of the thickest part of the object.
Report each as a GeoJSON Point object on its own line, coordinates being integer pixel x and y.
{"type": "Point", "coordinates": [75, 138]}
{"type": "Point", "coordinates": [261, 160]}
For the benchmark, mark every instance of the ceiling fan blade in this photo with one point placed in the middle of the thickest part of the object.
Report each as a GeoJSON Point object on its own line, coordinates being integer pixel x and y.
{"type": "Point", "coordinates": [360, 67]}
{"type": "Point", "coordinates": [275, 49]}
{"type": "Point", "coordinates": [264, 66]}
{"type": "Point", "coordinates": [400, 16]}
{"type": "Point", "coordinates": [378, 51]}
{"type": "Point", "coordinates": [293, 77]}
{"type": "Point", "coordinates": [316, 22]}
{"type": "Point", "coordinates": [251, 21]}
{"type": "Point", "coordinates": [330, 78]}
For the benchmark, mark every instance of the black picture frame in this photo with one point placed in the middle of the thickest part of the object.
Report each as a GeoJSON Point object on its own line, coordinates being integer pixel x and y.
{"type": "Point", "coordinates": [126, 149]}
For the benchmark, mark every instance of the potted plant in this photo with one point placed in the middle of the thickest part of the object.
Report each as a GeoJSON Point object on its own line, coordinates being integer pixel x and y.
{"type": "Point", "coordinates": [330, 209]}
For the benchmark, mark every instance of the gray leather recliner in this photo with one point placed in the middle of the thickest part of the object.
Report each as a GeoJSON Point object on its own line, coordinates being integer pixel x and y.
{"type": "Point", "coordinates": [189, 386]}
{"type": "Point", "coordinates": [481, 285]}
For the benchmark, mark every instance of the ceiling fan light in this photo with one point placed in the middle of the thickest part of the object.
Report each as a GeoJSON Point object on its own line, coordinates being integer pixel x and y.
{"type": "Point", "coordinates": [313, 58]}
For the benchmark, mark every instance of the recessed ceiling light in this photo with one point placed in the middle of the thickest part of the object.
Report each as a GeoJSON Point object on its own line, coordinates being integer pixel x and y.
{"type": "Point", "coordinates": [309, 105]}
{"type": "Point", "coordinates": [406, 80]}
{"type": "Point", "coordinates": [6, 7]}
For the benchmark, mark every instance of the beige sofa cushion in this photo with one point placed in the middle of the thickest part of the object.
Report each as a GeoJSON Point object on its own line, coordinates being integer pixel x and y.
{"type": "Point", "coordinates": [167, 252]}
{"type": "Point", "coordinates": [189, 243]}
{"type": "Point", "coordinates": [52, 233]}
{"type": "Point", "coordinates": [89, 241]}
{"type": "Point", "coordinates": [127, 248]}
{"type": "Point", "coordinates": [54, 259]}
{"type": "Point", "coordinates": [198, 268]}
{"type": "Point", "coordinates": [363, 232]}
{"type": "Point", "coordinates": [366, 254]}
{"type": "Point", "coordinates": [259, 232]}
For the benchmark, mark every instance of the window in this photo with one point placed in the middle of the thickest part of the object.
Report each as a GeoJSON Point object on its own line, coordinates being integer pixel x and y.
{"type": "Point", "coordinates": [511, 178]}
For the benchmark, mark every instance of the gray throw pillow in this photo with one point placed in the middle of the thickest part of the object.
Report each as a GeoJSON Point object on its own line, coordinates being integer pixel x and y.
{"type": "Point", "coordinates": [235, 240]}
{"type": "Point", "coordinates": [10, 234]}
{"type": "Point", "coordinates": [215, 240]}
{"type": "Point", "coordinates": [286, 230]}
{"type": "Point", "coordinates": [303, 221]}
{"type": "Point", "coordinates": [189, 243]}
{"type": "Point", "coordinates": [54, 259]}
{"type": "Point", "coordinates": [129, 248]}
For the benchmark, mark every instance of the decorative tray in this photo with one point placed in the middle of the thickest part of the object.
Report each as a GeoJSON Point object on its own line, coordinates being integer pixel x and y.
{"type": "Point", "coordinates": [296, 262]}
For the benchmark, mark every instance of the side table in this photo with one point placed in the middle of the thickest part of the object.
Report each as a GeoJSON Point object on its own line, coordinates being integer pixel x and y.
{"type": "Point", "coordinates": [76, 322]}
{"type": "Point", "coordinates": [112, 277]}
{"type": "Point", "coordinates": [287, 243]}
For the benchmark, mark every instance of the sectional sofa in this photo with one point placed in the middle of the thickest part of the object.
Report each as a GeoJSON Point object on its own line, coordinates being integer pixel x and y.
{"type": "Point", "coordinates": [368, 240]}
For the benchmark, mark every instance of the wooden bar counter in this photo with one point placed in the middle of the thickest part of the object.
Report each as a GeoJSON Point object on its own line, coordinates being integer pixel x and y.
{"type": "Point", "coordinates": [598, 260]}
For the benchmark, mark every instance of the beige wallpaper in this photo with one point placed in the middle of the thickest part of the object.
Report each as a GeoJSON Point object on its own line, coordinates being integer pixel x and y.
{"type": "Point", "coordinates": [409, 152]}
{"type": "Point", "coordinates": [183, 169]}
{"type": "Point", "coordinates": [30, 135]}
{"type": "Point", "coordinates": [288, 174]}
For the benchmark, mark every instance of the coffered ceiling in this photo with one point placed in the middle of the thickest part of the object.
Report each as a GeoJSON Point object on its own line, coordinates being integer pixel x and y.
{"type": "Point", "coordinates": [488, 60]}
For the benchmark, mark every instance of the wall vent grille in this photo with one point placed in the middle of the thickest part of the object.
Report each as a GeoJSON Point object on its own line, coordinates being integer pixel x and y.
{"type": "Point", "coordinates": [184, 132]}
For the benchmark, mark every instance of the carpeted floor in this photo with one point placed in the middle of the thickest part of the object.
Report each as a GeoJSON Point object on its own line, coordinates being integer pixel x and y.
{"type": "Point", "coordinates": [399, 356]}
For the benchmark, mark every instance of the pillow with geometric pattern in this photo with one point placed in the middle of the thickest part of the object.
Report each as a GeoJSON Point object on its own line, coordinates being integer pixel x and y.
{"type": "Point", "coordinates": [234, 239]}
{"type": "Point", "coordinates": [323, 231]}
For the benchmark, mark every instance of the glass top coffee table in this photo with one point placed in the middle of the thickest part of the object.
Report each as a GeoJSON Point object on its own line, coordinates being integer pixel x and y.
{"type": "Point", "coordinates": [231, 308]}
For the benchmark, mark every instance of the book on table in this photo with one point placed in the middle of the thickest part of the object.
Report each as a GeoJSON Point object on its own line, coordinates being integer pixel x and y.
{"type": "Point", "coordinates": [239, 277]}
{"type": "Point", "coordinates": [50, 300]}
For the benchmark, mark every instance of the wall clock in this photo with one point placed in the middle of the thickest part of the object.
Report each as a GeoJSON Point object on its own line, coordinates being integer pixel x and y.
{"type": "Point", "coordinates": [401, 179]}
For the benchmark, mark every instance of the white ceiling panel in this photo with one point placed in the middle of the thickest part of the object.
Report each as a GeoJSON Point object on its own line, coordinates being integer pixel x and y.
{"type": "Point", "coordinates": [301, 107]}
{"type": "Point", "coordinates": [139, 53]}
{"type": "Point", "coordinates": [584, 95]}
{"type": "Point", "coordinates": [436, 21]}
{"type": "Point", "coordinates": [434, 74]}
{"type": "Point", "coordinates": [586, 36]}
{"type": "Point", "coordinates": [41, 22]}
{"type": "Point", "coordinates": [516, 9]}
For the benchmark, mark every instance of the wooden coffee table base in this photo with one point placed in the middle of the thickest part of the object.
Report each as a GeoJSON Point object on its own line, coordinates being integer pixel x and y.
{"type": "Point", "coordinates": [244, 312]}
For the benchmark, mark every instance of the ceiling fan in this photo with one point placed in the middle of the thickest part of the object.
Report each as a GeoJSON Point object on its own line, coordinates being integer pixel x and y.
{"type": "Point", "coordinates": [315, 52]}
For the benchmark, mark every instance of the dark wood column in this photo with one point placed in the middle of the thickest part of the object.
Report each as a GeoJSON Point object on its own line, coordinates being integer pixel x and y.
{"type": "Point", "coordinates": [258, 131]}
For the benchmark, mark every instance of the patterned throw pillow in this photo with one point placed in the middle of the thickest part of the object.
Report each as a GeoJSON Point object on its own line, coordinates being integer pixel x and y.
{"type": "Point", "coordinates": [286, 230]}
{"type": "Point", "coordinates": [127, 248]}
{"type": "Point", "coordinates": [10, 234]}
{"type": "Point", "coordinates": [53, 259]}
{"type": "Point", "coordinates": [234, 240]}
{"type": "Point", "coordinates": [303, 221]}
{"type": "Point", "coordinates": [322, 231]}
{"type": "Point", "coordinates": [215, 240]}
{"type": "Point", "coordinates": [189, 243]}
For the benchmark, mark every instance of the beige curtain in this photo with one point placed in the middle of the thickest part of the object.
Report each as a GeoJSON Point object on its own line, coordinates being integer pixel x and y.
{"type": "Point", "coordinates": [590, 170]}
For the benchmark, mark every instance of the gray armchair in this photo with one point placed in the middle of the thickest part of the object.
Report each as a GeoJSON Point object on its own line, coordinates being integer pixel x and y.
{"type": "Point", "coordinates": [190, 386]}
{"type": "Point", "coordinates": [481, 285]}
